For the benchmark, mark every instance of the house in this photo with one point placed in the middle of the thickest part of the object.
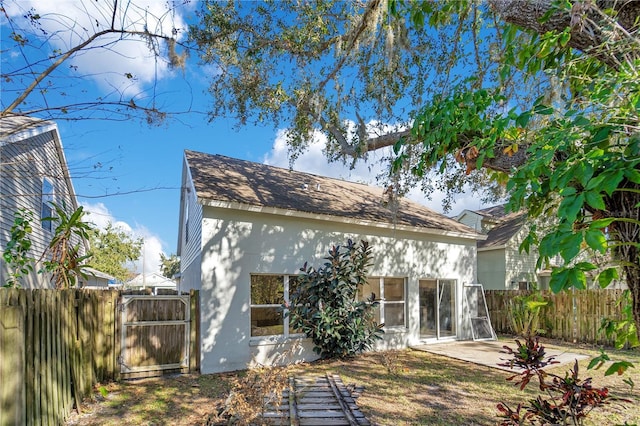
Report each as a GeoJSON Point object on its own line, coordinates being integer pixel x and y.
{"type": "Point", "coordinates": [246, 227]}
{"type": "Point", "coordinates": [501, 266]}
{"type": "Point", "coordinates": [97, 280]}
{"type": "Point", "coordinates": [33, 173]}
{"type": "Point", "coordinates": [152, 280]}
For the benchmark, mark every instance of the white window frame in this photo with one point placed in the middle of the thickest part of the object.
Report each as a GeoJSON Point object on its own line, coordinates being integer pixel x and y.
{"type": "Point", "coordinates": [48, 193]}
{"type": "Point", "coordinates": [286, 334]}
{"type": "Point", "coordinates": [384, 303]}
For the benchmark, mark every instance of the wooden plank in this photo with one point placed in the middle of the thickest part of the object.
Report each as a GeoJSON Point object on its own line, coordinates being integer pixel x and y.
{"type": "Point", "coordinates": [45, 358]}
{"type": "Point", "coordinates": [117, 351]}
{"type": "Point", "coordinates": [29, 358]}
{"type": "Point", "coordinates": [194, 302]}
{"type": "Point", "coordinates": [54, 360]}
{"type": "Point", "coordinates": [37, 361]}
{"type": "Point", "coordinates": [98, 333]}
{"type": "Point", "coordinates": [12, 365]}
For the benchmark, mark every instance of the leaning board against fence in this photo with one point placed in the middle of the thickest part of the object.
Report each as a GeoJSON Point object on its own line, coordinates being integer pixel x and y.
{"type": "Point", "coordinates": [573, 316]}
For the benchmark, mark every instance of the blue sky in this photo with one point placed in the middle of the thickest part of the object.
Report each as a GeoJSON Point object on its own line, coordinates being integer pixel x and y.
{"type": "Point", "coordinates": [128, 172]}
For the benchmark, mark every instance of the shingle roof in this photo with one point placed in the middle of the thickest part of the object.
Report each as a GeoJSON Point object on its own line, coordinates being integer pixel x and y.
{"type": "Point", "coordinates": [503, 231]}
{"type": "Point", "coordinates": [495, 212]}
{"type": "Point", "coordinates": [13, 124]}
{"type": "Point", "coordinates": [225, 179]}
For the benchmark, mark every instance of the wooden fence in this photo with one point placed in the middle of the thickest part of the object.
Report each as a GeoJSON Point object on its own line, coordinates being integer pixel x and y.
{"type": "Point", "coordinates": [54, 346]}
{"type": "Point", "coordinates": [571, 316]}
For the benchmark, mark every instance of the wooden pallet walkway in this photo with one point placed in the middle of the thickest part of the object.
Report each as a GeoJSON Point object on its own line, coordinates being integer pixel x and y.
{"type": "Point", "coordinates": [320, 401]}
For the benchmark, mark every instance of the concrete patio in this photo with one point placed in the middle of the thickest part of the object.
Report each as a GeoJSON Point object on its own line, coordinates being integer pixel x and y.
{"type": "Point", "coordinates": [488, 352]}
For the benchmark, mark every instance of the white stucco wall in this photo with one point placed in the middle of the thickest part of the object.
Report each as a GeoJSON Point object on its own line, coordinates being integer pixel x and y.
{"type": "Point", "coordinates": [236, 244]}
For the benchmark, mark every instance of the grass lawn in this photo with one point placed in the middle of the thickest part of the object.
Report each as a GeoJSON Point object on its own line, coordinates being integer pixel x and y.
{"type": "Point", "coordinates": [400, 387]}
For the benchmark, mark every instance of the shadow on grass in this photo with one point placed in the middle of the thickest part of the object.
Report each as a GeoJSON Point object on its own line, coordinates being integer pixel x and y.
{"type": "Point", "coordinates": [400, 387]}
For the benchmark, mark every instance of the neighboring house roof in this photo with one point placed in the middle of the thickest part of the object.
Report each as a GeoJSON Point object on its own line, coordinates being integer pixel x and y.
{"type": "Point", "coordinates": [503, 231]}
{"type": "Point", "coordinates": [228, 182]}
{"type": "Point", "coordinates": [98, 274]}
{"type": "Point", "coordinates": [152, 279]}
{"type": "Point", "coordinates": [15, 128]}
{"type": "Point", "coordinates": [495, 212]}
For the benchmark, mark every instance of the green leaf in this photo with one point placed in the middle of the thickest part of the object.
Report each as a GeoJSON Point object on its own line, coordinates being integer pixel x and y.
{"type": "Point", "coordinates": [602, 223]}
{"type": "Point", "coordinates": [523, 119]}
{"type": "Point", "coordinates": [605, 277]}
{"type": "Point", "coordinates": [596, 240]}
{"type": "Point", "coordinates": [611, 181]}
{"type": "Point", "coordinates": [598, 361]}
{"type": "Point", "coordinates": [577, 279]}
{"type": "Point", "coordinates": [595, 200]}
{"type": "Point", "coordinates": [601, 134]}
{"type": "Point", "coordinates": [633, 175]}
{"type": "Point", "coordinates": [564, 38]}
{"type": "Point", "coordinates": [543, 109]}
{"type": "Point", "coordinates": [618, 367]}
{"type": "Point", "coordinates": [570, 207]}
{"type": "Point", "coordinates": [559, 280]}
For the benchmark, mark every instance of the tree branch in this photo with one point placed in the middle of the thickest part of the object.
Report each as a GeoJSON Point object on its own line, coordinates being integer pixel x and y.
{"type": "Point", "coordinates": [585, 21]}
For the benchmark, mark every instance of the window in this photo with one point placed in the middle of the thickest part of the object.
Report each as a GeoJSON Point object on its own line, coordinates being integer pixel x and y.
{"type": "Point", "coordinates": [390, 292]}
{"type": "Point", "coordinates": [47, 199]}
{"type": "Point", "coordinates": [524, 285]}
{"type": "Point", "coordinates": [186, 219]}
{"type": "Point", "coordinates": [268, 293]}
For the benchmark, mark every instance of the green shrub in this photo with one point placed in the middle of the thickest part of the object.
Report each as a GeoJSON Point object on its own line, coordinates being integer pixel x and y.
{"type": "Point", "coordinates": [326, 308]}
{"type": "Point", "coordinates": [524, 313]}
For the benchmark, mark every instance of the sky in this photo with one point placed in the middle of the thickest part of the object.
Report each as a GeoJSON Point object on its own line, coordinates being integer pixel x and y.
{"type": "Point", "coordinates": [127, 172]}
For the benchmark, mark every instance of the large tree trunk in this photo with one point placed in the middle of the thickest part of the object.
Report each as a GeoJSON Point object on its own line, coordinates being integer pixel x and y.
{"type": "Point", "coordinates": [626, 234]}
{"type": "Point", "coordinates": [589, 27]}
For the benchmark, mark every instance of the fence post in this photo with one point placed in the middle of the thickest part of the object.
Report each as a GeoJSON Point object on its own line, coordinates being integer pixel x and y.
{"type": "Point", "coordinates": [12, 366]}
{"type": "Point", "coordinates": [194, 339]}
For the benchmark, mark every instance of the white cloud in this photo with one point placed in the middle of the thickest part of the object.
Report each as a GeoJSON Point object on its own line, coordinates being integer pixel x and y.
{"type": "Point", "coordinates": [108, 64]}
{"type": "Point", "coordinates": [100, 216]}
{"type": "Point", "coordinates": [314, 161]}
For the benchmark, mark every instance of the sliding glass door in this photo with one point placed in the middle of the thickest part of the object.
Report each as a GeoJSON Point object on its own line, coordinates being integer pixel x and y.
{"type": "Point", "coordinates": [437, 308]}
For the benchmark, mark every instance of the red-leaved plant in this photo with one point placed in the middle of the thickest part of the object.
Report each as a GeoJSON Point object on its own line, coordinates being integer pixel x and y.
{"type": "Point", "coordinates": [567, 400]}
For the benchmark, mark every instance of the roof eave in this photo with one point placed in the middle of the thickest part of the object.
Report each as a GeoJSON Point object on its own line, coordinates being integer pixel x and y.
{"type": "Point", "coordinates": [340, 219]}
{"type": "Point", "coordinates": [500, 247]}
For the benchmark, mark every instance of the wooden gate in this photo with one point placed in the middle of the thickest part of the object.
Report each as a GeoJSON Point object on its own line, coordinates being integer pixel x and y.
{"type": "Point", "coordinates": [155, 335]}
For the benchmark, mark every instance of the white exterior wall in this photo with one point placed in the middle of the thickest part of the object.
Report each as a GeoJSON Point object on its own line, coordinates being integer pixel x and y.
{"type": "Point", "coordinates": [471, 219]}
{"type": "Point", "coordinates": [236, 244]}
{"type": "Point", "coordinates": [25, 160]}
{"type": "Point", "coordinates": [190, 251]}
{"type": "Point", "coordinates": [520, 266]}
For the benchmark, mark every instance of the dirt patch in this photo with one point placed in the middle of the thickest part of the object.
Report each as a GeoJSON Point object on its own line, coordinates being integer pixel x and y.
{"type": "Point", "coordinates": [406, 387]}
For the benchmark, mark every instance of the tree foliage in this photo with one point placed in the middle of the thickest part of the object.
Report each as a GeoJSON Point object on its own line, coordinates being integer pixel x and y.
{"type": "Point", "coordinates": [42, 77]}
{"type": "Point", "coordinates": [112, 248]}
{"type": "Point", "coordinates": [16, 252]}
{"type": "Point", "coordinates": [169, 265]}
{"type": "Point", "coordinates": [351, 70]}
{"type": "Point", "coordinates": [63, 259]}
{"type": "Point", "coordinates": [573, 154]}
{"type": "Point", "coordinates": [325, 303]}
{"type": "Point", "coordinates": [540, 96]}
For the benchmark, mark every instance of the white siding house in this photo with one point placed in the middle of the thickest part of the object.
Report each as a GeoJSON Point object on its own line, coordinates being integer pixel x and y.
{"type": "Point", "coordinates": [246, 226]}
{"type": "Point", "coordinates": [501, 266]}
{"type": "Point", "coordinates": [33, 172]}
